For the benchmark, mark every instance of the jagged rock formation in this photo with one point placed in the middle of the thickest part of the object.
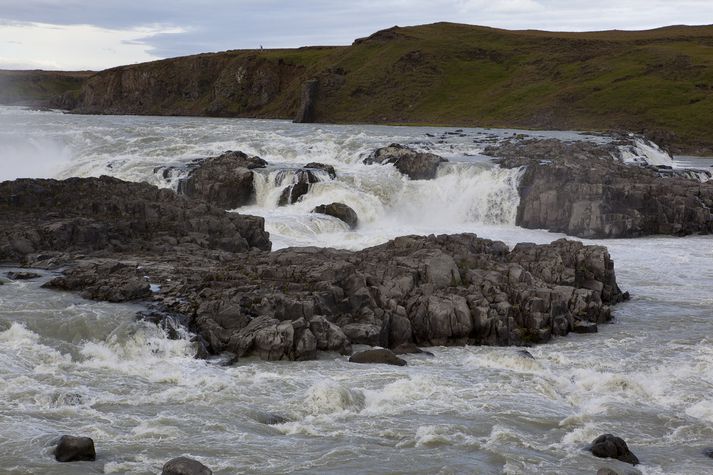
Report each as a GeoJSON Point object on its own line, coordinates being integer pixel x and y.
{"type": "Point", "coordinates": [339, 211]}
{"type": "Point", "coordinates": [225, 181]}
{"type": "Point", "coordinates": [609, 446]}
{"type": "Point", "coordinates": [445, 290]}
{"type": "Point", "coordinates": [415, 165]}
{"type": "Point", "coordinates": [302, 180]}
{"type": "Point", "coordinates": [107, 215]}
{"type": "Point", "coordinates": [582, 189]}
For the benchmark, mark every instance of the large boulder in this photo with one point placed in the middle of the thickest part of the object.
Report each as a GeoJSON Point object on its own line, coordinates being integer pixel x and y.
{"type": "Point", "coordinates": [415, 165]}
{"type": "Point", "coordinates": [185, 466]}
{"type": "Point", "coordinates": [339, 211]}
{"type": "Point", "coordinates": [74, 449]}
{"type": "Point", "coordinates": [377, 356]}
{"type": "Point", "coordinates": [585, 189]}
{"type": "Point", "coordinates": [609, 446]}
{"type": "Point", "coordinates": [301, 181]}
{"type": "Point", "coordinates": [225, 181]}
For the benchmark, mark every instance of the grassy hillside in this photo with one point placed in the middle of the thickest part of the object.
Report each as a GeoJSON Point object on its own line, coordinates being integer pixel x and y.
{"type": "Point", "coordinates": [659, 82]}
{"type": "Point", "coordinates": [39, 88]}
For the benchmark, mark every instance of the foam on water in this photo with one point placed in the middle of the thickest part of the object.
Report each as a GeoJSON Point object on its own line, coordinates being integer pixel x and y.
{"type": "Point", "coordinates": [73, 366]}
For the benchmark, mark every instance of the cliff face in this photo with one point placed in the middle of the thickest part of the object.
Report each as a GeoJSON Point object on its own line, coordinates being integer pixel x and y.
{"type": "Point", "coordinates": [229, 84]}
{"type": "Point", "coordinates": [657, 82]}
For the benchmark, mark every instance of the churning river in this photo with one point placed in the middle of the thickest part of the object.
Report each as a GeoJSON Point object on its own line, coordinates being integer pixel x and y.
{"type": "Point", "coordinates": [68, 365]}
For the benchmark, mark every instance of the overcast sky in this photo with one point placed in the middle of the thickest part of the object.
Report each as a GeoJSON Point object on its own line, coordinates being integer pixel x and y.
{"type": "Point", "coordinates": [96, 34]}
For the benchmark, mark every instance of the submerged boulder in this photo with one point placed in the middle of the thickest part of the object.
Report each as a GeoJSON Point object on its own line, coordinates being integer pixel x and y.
{"type": "Point", "coordinates": [377, 356]}
{"type": "Point", "coordinates": [225, 181]}
{"type": "Point", "coordinates": [415, 165]}
{"type": "Point", "coordinates": [339, 211]}
{"type": "Point", "coordinates": [609, 446]}
{"type": "Point", "coordinates": [328, 169]}
{"type": "Point", "coordinates": [74, 449]}
{"type": "Point", "coordinates": [185, 466]}
{"type": "Point", "coordinates": [301, 180]}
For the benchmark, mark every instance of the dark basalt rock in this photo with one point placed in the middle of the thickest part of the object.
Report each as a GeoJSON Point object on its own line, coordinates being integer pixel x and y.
{"type": "Point", "coordinates": [270, 418]}
{"type": "Point", "coordinates": [609, 446]}
{"type": "Point", "coordinates": [321, 166]}
{"type": "Point", "coordinates": [74, 449]}
{"type": "Point", "coordinates": [106, 216]}
{"type": "Point", "coordinates": [606, 471]}
{"type": "Point", "coordinates": [22, 275]}
{"type": "Point", "coordinates": [429, 291]}
{"type": "Point", "coordinates": [410, 349]}
{"type": "Point", "coordinates": [377, 356]}
{"type": "Point", "coordinates": [308, 98]}
{"type": "Point", "coordinates": [293, 193]}
{"type": "Point", "coordinates": [225, 181]}
{"type": "Point", "coordinates": [339, 211]}
{"type": "Point", "coordinates": [415, 165]}
{"type": "Point", "coordinates": [185, 466]}
{"type": "Point", "coordinates": [525, 354]}
{"type": "Point", "coordinates": [583, 189]}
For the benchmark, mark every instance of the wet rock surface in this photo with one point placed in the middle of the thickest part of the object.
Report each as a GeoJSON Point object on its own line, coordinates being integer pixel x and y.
{"type": "Point", "coordinates": [583, 189]}
{"type": "Point", "coordinates": [377, 356]}
{"type": "Point", "coordinates": [109, 216]}
{"type": "Point", "coordinates": [609, 446]}
{"type": "Point", "coordinates": [75, 449]}
{"type": "Point", "coordinates": [437, 290]}
{"type": "Point", "coordinates": [225, 181]}
{"type": "Point", "coordinates": [415, 165]}
{"type": "Point", "coordinates": [185, 466]}
{"type": "Point", "coordinates": [339, 211]}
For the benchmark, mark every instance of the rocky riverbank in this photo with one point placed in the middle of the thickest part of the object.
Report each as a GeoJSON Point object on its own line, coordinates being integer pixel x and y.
{"type": "Point", "coordinates": [198, 264]}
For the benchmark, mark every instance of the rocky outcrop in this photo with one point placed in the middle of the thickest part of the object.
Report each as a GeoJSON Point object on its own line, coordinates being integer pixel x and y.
{"type": "Point", "coordinates": [306, 113]}
{"type": "Point", "coordinates": [609, 446]}
{"type": "Point", "coordinates": [377, 356]}
{"type": "Point", "coordinates": [437, 290]}
{"type": "Point", "coordinates": [413, 164]}
{"type": "Point", "coordinates": [301, 181]}
{"type": "Point", "coordinates": [106, 216]}
{"type": "Point", "coordinates": [583, 189]}
{"type": "Point", "coordinates": [339, 211]}
{"type": "Point", "coordinates": [74, 449]}
{"type": "Point", "coordinates": [185, 466]}
{"type": "Point", "coordinates": [225, 181]}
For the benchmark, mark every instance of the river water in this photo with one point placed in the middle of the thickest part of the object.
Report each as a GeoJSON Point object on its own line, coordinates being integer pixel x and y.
{"type": "Point", "coordinates": [72, 366]}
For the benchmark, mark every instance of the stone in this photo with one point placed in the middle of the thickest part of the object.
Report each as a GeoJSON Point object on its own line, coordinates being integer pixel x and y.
{"type": "Point", "coordinates": [415, 165]}
{"type": "Point", "coordinates": [606, 471]}
{"type": "Point", "coordinates": [339, 211]}
{"type": "Point", "coordinates": [225, 181]}
{"type": "Point", "coordinates": [22, 275]}
{"type": "Point", "coordinates": [377, 356]}
{"type": "Point", "coordinates": [271, 419]}
{"type": "Point", "coordinates": [609, 446]}
{"type": "Point", "coordinates": [328, 169]}
{"type": "Point", "coordinates": [185, 466]}
{"type": "Point", "coordinates": [410, 349]}
{"type": "Point", "coordinates": [585, 189]}
{"type": "Point", "coordinates": [75, 449]}
{"type": "Point", "coordinates": [306, 111]}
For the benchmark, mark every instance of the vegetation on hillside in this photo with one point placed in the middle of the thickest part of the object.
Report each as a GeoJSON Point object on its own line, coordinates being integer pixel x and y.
{"type": "Point", "coordinates": [38, 88]}
{"type": "Point", "coordinates": [659, 82]}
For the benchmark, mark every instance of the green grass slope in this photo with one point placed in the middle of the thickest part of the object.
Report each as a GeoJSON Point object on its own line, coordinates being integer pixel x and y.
{"type": "Point", "coordinates": [38, 88]}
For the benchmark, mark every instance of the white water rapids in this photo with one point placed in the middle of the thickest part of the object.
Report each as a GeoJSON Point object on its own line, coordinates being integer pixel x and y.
{"type": "Point", "coordinates": [72, 366]}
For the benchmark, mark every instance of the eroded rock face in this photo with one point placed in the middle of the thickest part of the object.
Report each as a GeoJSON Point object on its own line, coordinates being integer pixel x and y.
{"type": "Point", "coordinates": [74, 449]}
{"type": "Point", "coordinates": [437, 290]}
{"type": "Point", "coordinates": [415, 165]}
{"type": "Point", "coordinates": [580, 189]}
{"type": "Point", "coordinates": [108, 216]}
{"type": "Point", "coordinates": [225, 181]}
{"type": "Point", "coordinates": [339, 211]}
{"type": "Point", "coordinates": [301, 181]}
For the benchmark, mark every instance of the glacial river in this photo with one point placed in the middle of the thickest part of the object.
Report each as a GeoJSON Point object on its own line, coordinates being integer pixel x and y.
{"type": "Point", "coordinates": [68, 365]}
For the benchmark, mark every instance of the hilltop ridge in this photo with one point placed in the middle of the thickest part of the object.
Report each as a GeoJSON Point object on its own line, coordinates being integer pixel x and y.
{"type": "Point", "coordinates": [658, 82]}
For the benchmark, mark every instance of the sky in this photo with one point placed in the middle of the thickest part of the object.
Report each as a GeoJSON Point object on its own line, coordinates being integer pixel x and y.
{"type": "Point", "coordinates": [97, 34]}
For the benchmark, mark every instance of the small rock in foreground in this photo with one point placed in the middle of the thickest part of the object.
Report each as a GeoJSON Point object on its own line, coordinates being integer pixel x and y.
{"type": "Point", "coordinates": [378, 356]}
{"type": "Point", "coordinates": [74, 449]}
{"type": "Point", "coordinates": [609, 446]}
{"type": "Point", "coordinates": [185, 466]}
